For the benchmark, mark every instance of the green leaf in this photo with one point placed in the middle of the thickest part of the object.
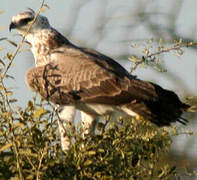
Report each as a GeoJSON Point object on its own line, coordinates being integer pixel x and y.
{"type": "Point", "coordinates": [12, 100]}
{"type": "Point", "coordinates": [2, 63]}
{"type": "Point", "coordinates": [12, 42]}
{"type": "Point", "coordinates": [2, 39]}
{"type": "Point", "coordinates": [88, 162]}
{"type": "Point", "coordinates": [9, 56]}
{"type": "Point", "coordinates": [39, 112]}
{"type": "Point", "coordinates": [1, 87]}
{"type": "Point", "coordinates": [9, 93]}
{"type": "Point", "coordinates": [7, 146]}
{"type": "Point", "coordinates": [91, 153]}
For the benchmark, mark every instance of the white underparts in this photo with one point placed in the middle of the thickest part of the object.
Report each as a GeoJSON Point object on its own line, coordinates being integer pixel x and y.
{"type": "Point", "coordinates": [90, 114]}
{"type": "Point", "coordinates": [103, 109]}
{"type": "Point", "coordinates": [65, 122]}
{"type": "Point", "coordinates": [88, 123]}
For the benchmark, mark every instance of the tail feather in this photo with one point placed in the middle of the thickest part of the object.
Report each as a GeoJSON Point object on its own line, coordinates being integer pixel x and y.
{"type": "Point", "coordinates": [182, 120]}
{"type": "Point", "coordinates": [163, 110]}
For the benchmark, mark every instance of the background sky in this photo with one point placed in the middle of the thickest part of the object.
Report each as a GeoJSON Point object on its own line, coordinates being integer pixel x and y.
{"type": "Point", "coordinates": [111, 26]}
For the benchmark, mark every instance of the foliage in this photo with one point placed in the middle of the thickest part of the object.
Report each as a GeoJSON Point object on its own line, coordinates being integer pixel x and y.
{"type": "Point", "coordinates": [153, 50]}
{"type": "Point", "coordinates": [128, 149]}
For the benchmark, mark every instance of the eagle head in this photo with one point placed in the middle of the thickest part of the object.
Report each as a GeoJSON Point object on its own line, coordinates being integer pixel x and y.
{"type": "Point", "coordinates": [22, 21]}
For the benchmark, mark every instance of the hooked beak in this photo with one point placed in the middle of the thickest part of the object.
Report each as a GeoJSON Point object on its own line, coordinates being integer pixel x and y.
{"type": "Point", "coordinates": [12, 26]}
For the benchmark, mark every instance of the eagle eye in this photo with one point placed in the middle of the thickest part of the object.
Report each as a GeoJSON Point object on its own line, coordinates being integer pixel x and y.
{"type": "Point", "coordinates": [26, 21]}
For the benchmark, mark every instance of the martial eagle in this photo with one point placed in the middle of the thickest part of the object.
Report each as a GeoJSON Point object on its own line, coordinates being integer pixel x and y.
{"type": "Point", "coordinates": [90, 81]}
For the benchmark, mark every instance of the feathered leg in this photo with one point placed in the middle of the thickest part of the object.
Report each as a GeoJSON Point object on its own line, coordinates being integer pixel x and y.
{"type": "Point", "coordinates": [88, 123]}
{"type": "Point", "coordinates": [65, 123]}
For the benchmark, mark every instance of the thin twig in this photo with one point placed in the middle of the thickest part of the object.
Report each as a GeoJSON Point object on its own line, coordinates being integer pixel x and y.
{"type": "Point", "coordinates": [43, 153]}
{"type": "Point", "coordinates": [170, 49]}
{"type": "Point", "coordinates": [152, 55]}
{"type": "Point", "coordinates": [11, 121]}
{"type": "Point", "coordinates": [22, 41]}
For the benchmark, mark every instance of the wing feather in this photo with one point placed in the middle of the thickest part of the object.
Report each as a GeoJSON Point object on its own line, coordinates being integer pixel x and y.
{"type": "Point", "coordinates": [87, 80]}
{"type": "Point", "coordinates": [77, 76]}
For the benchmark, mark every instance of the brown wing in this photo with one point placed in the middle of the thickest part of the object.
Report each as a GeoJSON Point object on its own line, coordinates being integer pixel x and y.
{"type": "Point", "coordinates": [80, 76]}
{"type": "Point", "coordinates": [76, 78]}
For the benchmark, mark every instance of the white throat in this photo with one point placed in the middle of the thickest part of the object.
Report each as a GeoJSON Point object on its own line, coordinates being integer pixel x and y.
{"type": "Point", "coordinates": [40, 46]}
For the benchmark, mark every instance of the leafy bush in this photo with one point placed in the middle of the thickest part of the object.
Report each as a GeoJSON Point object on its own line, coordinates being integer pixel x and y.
{"type": "Point", "coordinates": [128, 149]}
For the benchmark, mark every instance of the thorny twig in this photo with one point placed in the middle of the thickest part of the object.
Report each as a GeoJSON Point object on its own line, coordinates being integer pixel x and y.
{"type": "Point", "coordinates": [152, 56]}
{"type": "Point", "coordinates": [6, 96]}
{"type": "Point", "coordinates": [22, 41]}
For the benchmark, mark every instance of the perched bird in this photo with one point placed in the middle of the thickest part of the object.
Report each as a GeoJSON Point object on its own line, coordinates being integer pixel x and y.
{"type": "Point", "coordinates": [89, 81]}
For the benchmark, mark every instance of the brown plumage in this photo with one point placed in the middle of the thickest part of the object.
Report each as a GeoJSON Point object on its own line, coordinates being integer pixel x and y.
{"type": "Point", "coordinates": [67, 74]}
{"type": "Point", "coordinates": [80, 77]}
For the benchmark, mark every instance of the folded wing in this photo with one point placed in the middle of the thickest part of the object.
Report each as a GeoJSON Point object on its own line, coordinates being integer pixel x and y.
{"type": "Point", "coordinates": [90, 79]}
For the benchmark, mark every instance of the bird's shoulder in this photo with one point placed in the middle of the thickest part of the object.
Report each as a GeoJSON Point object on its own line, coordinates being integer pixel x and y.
{"type": "Point", "coordinates": [69, 53]}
